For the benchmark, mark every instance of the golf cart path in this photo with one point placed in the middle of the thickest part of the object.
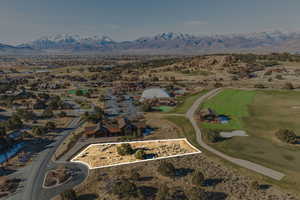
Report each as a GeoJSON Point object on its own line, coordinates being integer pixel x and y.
{"type": "Point", "coordinates": [243, 163]}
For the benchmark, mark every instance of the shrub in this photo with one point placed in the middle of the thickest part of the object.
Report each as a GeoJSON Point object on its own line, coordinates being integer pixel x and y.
{"type": "Point", "coordinates": [47, 113]}
{"type": "Point", "coordinates": [163, 193]}
{"type": "Point", "coordinates": [140, 154]}
{"type": "Point", "coordinates": [287, 136]}
{"type": "Point", "coordinates": [68, 195]}
{"type": "Point", "coordinates": [255, 185]}
{"type": "Point", "coordinates": [167, 169]}
{"type": "Point", "coordinates": [213, 136]}
{"type": "Point", "coordinates": [135, 175]}
{"type": "Point", "coordinates": [196, 194]}
{"type": "Point", "coordinates": [50, 126]}
{"type": "Point", "coordinates": [62, 114]}
{"type": "Point", "coordinates": [279, 77]}
{"type": "Point", "coordinates": [218, 85]}
{"type": "Point", "coordinates": [38, 131]}
{"type": "Point", "coordinates": [147, 107]}
{"type": "Point", "coordinates": [79, 93]}
{"type": "Point", "coordinates": [198, 178]}
{"type": "Point", "coordinates": [259, 85]}
{"type": "Point", "coordinates": [125, 149]}
{"type": "Point", "coordinates": [2, 132]}
{"type": "Point", "coordinates": [288, 86]}
{"type": "Point", "coordinates": [124, 189]}
{"type": "Point", "coordinates": [268, 73]}
{"type": "Point", "coordinates": [14, 123]}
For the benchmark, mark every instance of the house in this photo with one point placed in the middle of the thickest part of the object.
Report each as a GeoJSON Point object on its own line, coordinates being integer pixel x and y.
{"type": "Point", "coordinates": [207, 114]}
{"type": "Point", "coordinates": [113, 127]}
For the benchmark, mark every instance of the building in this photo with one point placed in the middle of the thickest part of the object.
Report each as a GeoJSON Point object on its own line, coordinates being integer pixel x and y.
{"type": "Point", "coordinates": [154, 93]}
{"type": "Point", "coordinates": [117, 127]}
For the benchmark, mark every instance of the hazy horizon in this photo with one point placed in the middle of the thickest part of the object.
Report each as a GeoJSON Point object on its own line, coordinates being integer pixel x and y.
{"type": "Point", "coordinates": [25, 21]}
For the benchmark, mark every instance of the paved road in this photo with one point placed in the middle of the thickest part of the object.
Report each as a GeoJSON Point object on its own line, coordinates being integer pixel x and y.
{"type": "Point", "coordinates": [243, 163]}
{"type": "Point", "coordinates": [34, 177]}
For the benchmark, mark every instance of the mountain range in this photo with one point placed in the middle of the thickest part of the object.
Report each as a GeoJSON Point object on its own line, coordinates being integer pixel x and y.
{"type": "Point", "coordinates": [163, 43]}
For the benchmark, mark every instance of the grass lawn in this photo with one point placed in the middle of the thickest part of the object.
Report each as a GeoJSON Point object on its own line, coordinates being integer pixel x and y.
{"type": "Point", "coordinates": [261, 114]}
{"type": "Point", "coordinates": [233, 103]}
{"type": "Point", "coordinates": [164, 108]}
{"type": "Point", "coordinates": [187, 102]}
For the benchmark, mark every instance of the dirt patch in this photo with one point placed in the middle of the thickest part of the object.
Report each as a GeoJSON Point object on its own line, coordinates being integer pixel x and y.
{"type": "Point", "coordinates": [57, 177]}
{"type": "Point", "coordinates": [103, 155]}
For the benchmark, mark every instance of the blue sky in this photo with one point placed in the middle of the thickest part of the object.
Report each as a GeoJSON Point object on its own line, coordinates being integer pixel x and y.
{"type": "Point", "coordinates": [24, 20]}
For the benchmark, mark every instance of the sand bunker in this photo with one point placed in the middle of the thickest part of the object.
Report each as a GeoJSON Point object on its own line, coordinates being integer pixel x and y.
{"type": "Point", "coordinates": [296, 107]}
{"type": "Point", "coordinates": [233, 133]}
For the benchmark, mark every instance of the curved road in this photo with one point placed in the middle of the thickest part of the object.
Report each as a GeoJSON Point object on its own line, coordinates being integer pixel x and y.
{"type": "Point", "coordinates": [243, 163]}
{"type": "Point", "coordinates": [34, 184]}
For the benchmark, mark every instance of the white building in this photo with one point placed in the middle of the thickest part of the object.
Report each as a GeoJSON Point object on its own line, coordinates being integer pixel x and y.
{"type": "Point", "coordinates": [154, 93]}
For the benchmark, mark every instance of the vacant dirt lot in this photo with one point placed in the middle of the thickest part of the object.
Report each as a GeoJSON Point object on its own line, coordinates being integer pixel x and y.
{"type": "Point", "coordinates": [101, 155]}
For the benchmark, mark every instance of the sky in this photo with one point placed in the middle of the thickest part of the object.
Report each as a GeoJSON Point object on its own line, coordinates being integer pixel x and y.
{"type": "Point", "coordinates": [26, 20]}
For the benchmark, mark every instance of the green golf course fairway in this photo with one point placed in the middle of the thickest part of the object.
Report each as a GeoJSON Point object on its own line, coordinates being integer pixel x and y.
{"type": "Point", "coordinates": [260, 114]}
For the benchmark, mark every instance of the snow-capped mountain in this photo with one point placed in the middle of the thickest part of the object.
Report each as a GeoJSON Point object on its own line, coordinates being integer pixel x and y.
{"type": "Point", "coordinates": [171, 42]}
{"type": "Point", "coordinates": [70, 42]}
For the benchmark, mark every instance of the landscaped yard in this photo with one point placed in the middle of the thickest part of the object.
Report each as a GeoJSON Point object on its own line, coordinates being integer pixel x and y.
{"type": "Point", "coordinates": [186, 102]}
{"type": "Point", "coordinates": [261, 114]}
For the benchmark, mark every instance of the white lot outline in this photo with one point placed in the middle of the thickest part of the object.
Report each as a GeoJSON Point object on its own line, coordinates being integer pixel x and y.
{"type": "Point", "coordinates": [138, 161]}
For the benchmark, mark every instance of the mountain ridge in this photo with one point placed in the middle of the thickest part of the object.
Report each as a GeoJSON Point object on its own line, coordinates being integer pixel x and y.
{"type": "Point", "coordinates": [168, 42]}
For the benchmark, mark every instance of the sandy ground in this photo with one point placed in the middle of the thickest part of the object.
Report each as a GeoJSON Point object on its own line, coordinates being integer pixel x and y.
{"type": "Point", "coordinates": [233, 134]}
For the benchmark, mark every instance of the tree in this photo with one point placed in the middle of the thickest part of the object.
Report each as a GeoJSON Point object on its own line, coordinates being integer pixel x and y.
{"type": "Point", "coordinates": [135, 175]}
{"type": "Point", "coordinates": [196, 193]}
{"type": "Point", "coordinates": [38, 131]}
{"type": "Point", "coordinates": [14, 122]}
{"type": "Point", "coordinates": [213, 136]}
{"type": "Point", "coordinates": [124, 189]}
{"type": "Point", "coordinates": [26, 115]}
{"type": "Point", "coordinates": [166, 169]}
{"type": "Point", "coordinates": [140, 154]}
{"type": "Point", "coordinates": [259, 86]}
{"type": "Point", "coordinates": [163, 193]}
{"type": "Point", "coordinates": [50, 125]}
{"type": "Point", "coordinates": [48, 113]}
{"type": "Point", "coordinates": [68, 195]}
{"type": "Point", "coordinates": [62, 114]}
{"type": "Point", "coordinates": [99, 112]}
{"type": "Point", "coordinates": [125, 149]}
{"type": "Point", "coordinates": [287, 136]}
{"type": "Point", "coordinates": [79, 92]}
{"type": "Point", "coordinates": [198, 178]}
{"type": "Point", "coordinates": [2, 132]}
{"type": "Point", "coordinates": [279, 77]}
{"type": "Point", "coordinates": [288, 86]}
{"type": "Point", "coordinates": [255, 185]}
{"type": "Point", "coordinates": [147, 107]}
{"type": "Point", "coordinates": [39, 105]}
{"type": "Point", "coordinates": [218, 85]}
